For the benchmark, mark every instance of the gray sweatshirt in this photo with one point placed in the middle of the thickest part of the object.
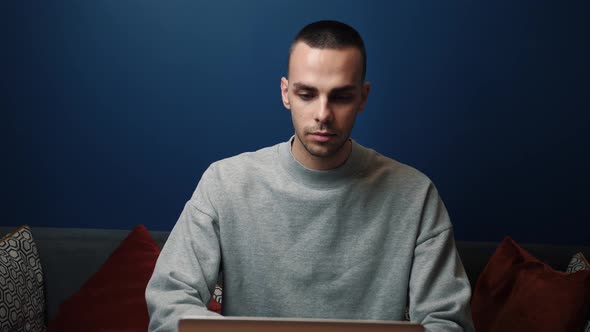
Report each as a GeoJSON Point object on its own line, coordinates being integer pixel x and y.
{"type": "Point", "coordinates": [362, 241]}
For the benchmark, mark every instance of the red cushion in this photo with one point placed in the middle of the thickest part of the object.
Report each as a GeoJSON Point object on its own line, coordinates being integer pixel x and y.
{"type": "Point", "coordinates": [517, 292]}
{"type": "Point", "coordinates": [113, 299]}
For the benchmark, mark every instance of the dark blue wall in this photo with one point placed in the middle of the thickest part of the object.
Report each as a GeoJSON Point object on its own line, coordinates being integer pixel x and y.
{"type": "Point", "coordinates": [111, 110]}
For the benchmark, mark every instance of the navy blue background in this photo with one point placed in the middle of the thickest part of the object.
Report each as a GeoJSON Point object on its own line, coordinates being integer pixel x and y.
{"type": "Point", "coordinates": [111, 110]}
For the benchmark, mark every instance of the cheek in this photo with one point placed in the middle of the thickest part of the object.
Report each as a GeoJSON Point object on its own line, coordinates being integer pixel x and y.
{"type": "Point", "coordinates": [296, 117]}
{"type": "Point", "coordinates": [346, 113]}
{"type": "Point", "coordinates": [300, 110]}
{"type": "Point", "coordinates": [346, 122]}
{"type": "Point", "coordinates": [301, 122]}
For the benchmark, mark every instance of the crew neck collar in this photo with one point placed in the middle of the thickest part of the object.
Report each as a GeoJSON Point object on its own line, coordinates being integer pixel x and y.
{"type": "Point", "coordinates": [323, 178]}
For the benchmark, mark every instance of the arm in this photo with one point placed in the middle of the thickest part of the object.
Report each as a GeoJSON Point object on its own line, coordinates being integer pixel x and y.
{"type": "Point", "coordinates": [439, 289]}
{"type": "Point", "coordinates": [187, 268]}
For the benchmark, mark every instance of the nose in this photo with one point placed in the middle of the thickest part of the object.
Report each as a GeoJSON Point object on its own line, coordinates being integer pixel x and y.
{"type": "Point", "coordinates": [324, 113]}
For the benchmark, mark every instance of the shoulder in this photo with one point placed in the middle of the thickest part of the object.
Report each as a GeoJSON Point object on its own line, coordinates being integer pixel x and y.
{"type": "Point", "coordinates": [391, 170]}
{"type": "Point", "coordinates": [244, 163]}
{"type": "Point", "coordinates": [223, 176]}
{"type": "Point", "coordinates": [411, 191]}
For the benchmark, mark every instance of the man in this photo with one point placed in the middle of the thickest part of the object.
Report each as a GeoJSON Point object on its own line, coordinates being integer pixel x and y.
{"type": "Point", "coordinates": [318, 226]}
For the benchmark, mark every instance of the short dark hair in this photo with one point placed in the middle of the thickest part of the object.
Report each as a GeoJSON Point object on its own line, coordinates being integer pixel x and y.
{"type": "Point", "coordinates": [332, 34]}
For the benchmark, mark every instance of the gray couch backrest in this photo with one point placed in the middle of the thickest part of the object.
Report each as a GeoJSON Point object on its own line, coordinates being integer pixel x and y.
{"type": "Point", "coordinates": [69, 256]}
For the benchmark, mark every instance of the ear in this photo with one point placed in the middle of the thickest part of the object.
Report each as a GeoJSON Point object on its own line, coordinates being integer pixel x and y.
{"type": "Point", "coordinates": [365, 89]}
{"type": "Point", "coordinates": [285, 92]}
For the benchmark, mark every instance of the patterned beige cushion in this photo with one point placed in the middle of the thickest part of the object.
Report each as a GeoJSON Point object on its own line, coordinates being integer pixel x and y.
{"type": "Point", "coordinates": [22, 302]}
{"type": "Point", "coordinates": [579, 263]}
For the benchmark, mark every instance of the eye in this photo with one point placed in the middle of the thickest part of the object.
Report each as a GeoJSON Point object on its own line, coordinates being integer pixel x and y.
{"type": "Point", "coordinates": [344, 98]}
{"type": "Point", "coordinates": [306, 96]}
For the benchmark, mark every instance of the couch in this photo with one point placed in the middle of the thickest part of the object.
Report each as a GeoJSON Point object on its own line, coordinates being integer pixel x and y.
{"type": "Point", "coordinates": [69, 256]}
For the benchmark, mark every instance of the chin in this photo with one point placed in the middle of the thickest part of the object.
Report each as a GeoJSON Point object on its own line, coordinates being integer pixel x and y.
{"type": "Point", "coordinates": [323, 150]}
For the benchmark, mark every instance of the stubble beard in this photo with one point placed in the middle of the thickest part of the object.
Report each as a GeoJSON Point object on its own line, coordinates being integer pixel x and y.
{"type": "Point", "coordinates": [325, 150]}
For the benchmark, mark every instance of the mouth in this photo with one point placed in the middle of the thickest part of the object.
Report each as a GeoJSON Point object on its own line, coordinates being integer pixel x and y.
{"type": "Point", "coordinates": [322, 136]}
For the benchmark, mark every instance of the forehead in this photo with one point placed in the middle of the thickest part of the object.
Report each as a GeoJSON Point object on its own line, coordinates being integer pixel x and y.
{"type": "Point", "coordinates": [325, 66]}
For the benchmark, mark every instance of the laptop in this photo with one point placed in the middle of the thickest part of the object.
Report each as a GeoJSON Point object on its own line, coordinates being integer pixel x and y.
{"type": "Point", "coordinates": [260, 324]}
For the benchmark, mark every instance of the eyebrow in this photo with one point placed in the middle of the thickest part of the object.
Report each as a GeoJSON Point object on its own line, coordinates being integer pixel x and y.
{"type": "Point", "coordinates": [345, 88]}
{"type": "Point", "coordinates": [303, 86]}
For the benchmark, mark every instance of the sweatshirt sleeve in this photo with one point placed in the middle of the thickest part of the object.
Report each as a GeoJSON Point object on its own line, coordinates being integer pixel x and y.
{"type": "Point", "coordinates": [440, 293]}
{"type": "Point", "coordinates": [188, 266]}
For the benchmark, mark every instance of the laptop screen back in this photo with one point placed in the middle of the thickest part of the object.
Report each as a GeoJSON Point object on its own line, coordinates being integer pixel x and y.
{"type": "Point", "coordinates": [258, 324]}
